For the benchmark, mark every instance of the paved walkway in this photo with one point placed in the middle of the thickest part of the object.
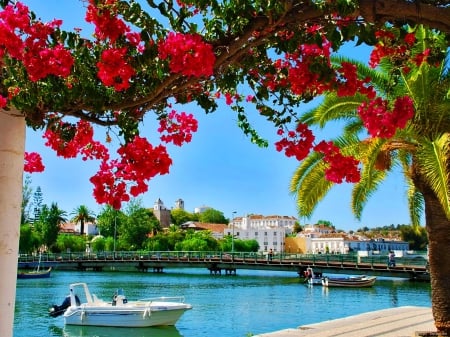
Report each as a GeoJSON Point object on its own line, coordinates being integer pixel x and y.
{"type": "Point", "coordinates": [396, 322]}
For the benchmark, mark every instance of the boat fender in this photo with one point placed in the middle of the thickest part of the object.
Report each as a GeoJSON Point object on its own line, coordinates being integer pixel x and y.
{"type": "Point", "coordinates": [147, 313]}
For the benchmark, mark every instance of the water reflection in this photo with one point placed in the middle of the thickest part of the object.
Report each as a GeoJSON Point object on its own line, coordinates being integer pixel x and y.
{"type": "Point", "coordinates": [97, 331]}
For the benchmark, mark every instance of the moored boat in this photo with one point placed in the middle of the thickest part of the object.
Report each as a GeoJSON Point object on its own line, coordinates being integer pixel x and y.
{"type": "Point", "coordinates": [349, 282]}
{"type": "Point", "coordinates": [119, 312]}
{"type": "Point", "coordinates": [38, 273]}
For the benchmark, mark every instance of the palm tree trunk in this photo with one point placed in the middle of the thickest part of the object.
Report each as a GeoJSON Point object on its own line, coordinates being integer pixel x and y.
{"type": "Point", "coordinates": [12, 145]}
{"type": "Point", "coordinates": [438, 228]}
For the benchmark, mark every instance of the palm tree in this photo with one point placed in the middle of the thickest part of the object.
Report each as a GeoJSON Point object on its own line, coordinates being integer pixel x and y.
{"type": "Point", "coordinates": [421, 150]}
{"type": "Point", "coordinates": [82, 214]}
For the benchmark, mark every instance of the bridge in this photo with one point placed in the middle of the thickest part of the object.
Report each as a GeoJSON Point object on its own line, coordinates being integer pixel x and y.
{"type": "Point", "coordinates": [229, 263]}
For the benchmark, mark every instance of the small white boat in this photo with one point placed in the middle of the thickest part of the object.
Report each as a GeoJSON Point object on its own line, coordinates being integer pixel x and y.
{"type": "Point", "coordinates": [119, 312]}
{"type": "Point", "coordinates": [349, 282]}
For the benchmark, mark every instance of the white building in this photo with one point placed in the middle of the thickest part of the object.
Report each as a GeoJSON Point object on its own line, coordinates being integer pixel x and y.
{"type": "Point", "coordinates": [90, 228]}
{"type": "Point", "coordinates": [342, 244]}
{"type": "Point", "coordinates": [328, 244]}
{"type": "Point", "coordinates": [268, 231]}
{"type": "Point", "coordinates": [255, 221]}
{"type": "Point", "coordinates": [201, 209]}
{"type": "Point", "coordinates": [269, 238]}
{"type": "Point", "coordinates": [378, 245]}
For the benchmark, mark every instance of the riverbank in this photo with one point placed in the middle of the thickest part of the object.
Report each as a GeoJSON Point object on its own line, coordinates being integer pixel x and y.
{"type": "Point", "coordinates": [396, 322]}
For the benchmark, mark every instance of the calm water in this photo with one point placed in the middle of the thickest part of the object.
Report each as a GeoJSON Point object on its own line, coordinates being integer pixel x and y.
{"type": "Point", "coordinates": [227, 306]}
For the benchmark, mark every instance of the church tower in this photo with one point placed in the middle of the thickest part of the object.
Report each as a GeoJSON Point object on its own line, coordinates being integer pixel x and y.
{"type": "Point", "coordinates": [162, 213]}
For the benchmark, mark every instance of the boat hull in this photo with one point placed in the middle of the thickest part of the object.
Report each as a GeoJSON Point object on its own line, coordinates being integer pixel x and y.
{"type": "Point", "coordinates": [350, 282]}
{"type": "Point", "coordinates": [34, 274]}
{"type": "Point", "coordinates": [123, 317]}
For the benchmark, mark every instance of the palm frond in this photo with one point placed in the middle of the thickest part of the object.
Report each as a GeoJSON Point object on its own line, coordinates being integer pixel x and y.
{"type": "Point", "coordinates": [433, 159]}
{"type": "Point", "coordinates": [416, 204]}
{"type": "Point", "coordinates": [333, 108]}
{"type": "Point", "coordinates": [370, 176]}
{"type": "Point", "coordinates": [309, 185]}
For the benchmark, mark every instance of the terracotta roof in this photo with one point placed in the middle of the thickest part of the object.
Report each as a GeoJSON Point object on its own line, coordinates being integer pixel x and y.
{"type": "Point", "coordinates": [213, 227]}
{"type": "Point", "coordinates": [67, 227]}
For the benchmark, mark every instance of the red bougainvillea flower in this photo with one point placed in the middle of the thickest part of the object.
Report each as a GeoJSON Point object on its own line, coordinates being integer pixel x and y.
{"type": "Point", "coordinates": [177, 128]}
{"type": "Point", "coordinates": [114, 70]}
{"type": "Point", "coordinates": [188, 54]}
{"type": "Point", "coordinates": [118, 179]}
{"type": "Point", "coordinates": [340, 167]}
{"type": "Point", "coordinates": [33, 162]}
{"type": "Point", "coordinates": [28, 42]}
{"type": "Point", "coordinates": [103, 14]}
{"type": "Point", "coordinates": [3, 101]}
{"type": "Point", "coordinates": [69, 140]}
{"type": "Point", "coordinates": [380, 121]}
{"type": "Point", "coordinates": [297, 144]}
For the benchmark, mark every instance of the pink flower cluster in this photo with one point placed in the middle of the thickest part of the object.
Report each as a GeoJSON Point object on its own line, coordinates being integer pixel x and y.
{"type": "Point", "coordinates": [104, 15]}
{"type": "Point", "coordinates": [188, 54]}
{"type": "Point", "coordinates": [139, 162]}
{"type": "Point", "coordinates": [380, 121]}
{"type": "Point", "coordinates": [114, 70]}
{"type": "Point", "coordinates": [297, 144]}
{"type": "Point", "coordinates": [33, 162]}
{"type": "Point", "coordinates": [340, 167]}
{"type": "Point", "coordinates": [68, 141]}
{"type": "Point", "coordinates": [177, 128]}
{"type": "Point", "coordinates": [27, 41]}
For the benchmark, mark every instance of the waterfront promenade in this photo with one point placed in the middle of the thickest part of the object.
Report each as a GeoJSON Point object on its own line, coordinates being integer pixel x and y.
{"type": "Point", "coordinates": [406, 321]}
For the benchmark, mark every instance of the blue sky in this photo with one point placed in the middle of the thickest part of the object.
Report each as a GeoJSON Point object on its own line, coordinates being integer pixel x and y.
{"type": "Point", "coordinates": [220, 168]}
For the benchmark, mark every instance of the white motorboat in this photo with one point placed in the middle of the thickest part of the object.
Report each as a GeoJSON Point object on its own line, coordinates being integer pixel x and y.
{"type": "Point", "coordinates": [119, 312]}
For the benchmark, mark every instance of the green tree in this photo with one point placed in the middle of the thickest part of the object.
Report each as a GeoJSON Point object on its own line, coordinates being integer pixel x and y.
{"type": "Point", "coordinates": [109, 220]}
{"type": "Point", "coordinates": [70, 243]}
{"type": "Point", "coordinates": [325, 223]}
{"type": "Point", "coordinates": [82, 214]}
{"type": "Point", "coordinates": [98, 244]}
{"type": "Point", "coordinates": [421, 150]}
{"type": "Point", "coordinates": [198, 241]}
{"type": "Point", "coordinates": [415, 236]}
{"type": "Point", "coordinates": [139, 225]}
{"type": "Point", "coordinates": [37, 203]}
{"type": "Point", "coordinates": [49, 224]}
{"type": "Point", "coordinates": [297, 228]}
{"type": "Point", "coordinates": [180, 216]}
{"type": "Point", "coordinates": [166, 240]}
{"type": "Point", "coordinates": [29, 239]}
{"type": "Point", "coordinates": [212, 215]}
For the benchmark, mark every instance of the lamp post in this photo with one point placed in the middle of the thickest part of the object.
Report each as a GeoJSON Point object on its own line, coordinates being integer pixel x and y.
{"type": "Point", "coordinates": [232, 237]}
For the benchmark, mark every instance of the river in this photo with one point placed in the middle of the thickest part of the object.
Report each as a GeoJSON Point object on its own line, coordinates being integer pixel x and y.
{"type": "Point", "coordinates": [252, 302]}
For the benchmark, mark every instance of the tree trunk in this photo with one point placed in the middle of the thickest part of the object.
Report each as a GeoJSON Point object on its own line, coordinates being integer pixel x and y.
{"type": "Point", "coordinates": [12, 147]}
{"type": "Point", "coordinates": [438, 228]}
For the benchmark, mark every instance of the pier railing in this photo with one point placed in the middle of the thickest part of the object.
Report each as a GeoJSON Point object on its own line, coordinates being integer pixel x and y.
{"type": "Point", "coordinates": [226, 257]}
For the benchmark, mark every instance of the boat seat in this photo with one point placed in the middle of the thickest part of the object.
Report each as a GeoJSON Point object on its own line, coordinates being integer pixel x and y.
{"type": "Point", "coordinates": [95, 299]}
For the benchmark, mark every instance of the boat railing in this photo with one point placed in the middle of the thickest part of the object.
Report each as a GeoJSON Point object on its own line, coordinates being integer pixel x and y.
{"type": "Point", "coordinates": [179, 299]}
